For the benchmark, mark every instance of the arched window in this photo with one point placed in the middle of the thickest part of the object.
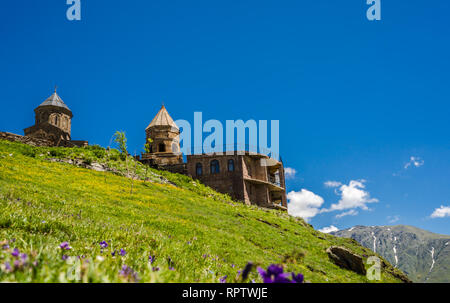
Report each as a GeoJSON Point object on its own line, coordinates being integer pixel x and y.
{"type": "Point", "coordinates": [215, 167]}
{"type": "Point", "coordinates": [162, 148]}
{"type": "Point", "coordinates": [199, 169]}
{"type": "Point", "coordinates": [231, 165]}
{"type": "Point", "coordinates": [56, 120]}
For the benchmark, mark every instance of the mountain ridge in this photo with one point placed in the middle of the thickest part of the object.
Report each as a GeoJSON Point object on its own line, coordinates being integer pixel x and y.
{"type": "Point", "coordinates": [424, 256]}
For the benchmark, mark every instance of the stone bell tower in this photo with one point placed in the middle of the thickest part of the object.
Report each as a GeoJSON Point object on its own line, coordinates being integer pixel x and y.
{"type": "Point", "coordinates": [164, 135]}
{"type": "Point", "coordinates": [53, 121]}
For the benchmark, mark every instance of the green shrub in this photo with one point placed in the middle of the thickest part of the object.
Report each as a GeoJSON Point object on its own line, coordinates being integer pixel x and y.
{"type": "Point", "coordinates": [99, 153]}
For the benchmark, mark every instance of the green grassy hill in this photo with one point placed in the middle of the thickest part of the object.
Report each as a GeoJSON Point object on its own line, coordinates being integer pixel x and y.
{"type": "Point", "coordinates": [192, 233]}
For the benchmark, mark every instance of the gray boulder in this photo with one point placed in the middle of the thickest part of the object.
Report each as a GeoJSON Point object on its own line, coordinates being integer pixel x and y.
{"type": "Point", "coordinates": [344, 258]}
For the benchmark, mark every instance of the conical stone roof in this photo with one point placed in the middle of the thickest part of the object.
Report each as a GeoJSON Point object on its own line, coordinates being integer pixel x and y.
{"type": "Point", "coordinates": [162, 118]}
{"type": "Point", "coordinates": [54, 100]}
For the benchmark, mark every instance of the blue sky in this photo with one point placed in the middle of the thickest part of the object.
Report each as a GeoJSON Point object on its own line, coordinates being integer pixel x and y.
{"type": "Point", "coordinates": [355, 99]}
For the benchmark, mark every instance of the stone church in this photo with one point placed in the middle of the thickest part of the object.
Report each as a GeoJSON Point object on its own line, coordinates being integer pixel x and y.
{"type": "Point", "coordinates": [240, 174]}
{"type": "Point", "coordinates": [53, 123]}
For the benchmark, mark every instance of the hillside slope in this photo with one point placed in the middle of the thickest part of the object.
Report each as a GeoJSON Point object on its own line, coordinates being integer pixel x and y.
{"type": "Point", "coordinates": [168, 228]}
{"type": "Point", "coordinates": [422, 255]}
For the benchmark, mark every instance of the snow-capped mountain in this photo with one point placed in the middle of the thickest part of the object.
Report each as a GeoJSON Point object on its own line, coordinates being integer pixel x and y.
{"type": "Point", "coordinates": [424, 256]}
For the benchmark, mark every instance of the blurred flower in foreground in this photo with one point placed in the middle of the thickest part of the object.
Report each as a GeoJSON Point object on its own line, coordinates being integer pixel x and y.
{"type": "Point", "coordinates": [275, 274]}
{"type": "Point", "coordinates": [65, 246]}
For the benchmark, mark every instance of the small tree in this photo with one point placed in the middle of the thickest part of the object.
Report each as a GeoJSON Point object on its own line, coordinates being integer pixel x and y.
{"type": "Point", "coordinates": [121, 140]}
{"type": "Point", "coordinates": [148, 146]}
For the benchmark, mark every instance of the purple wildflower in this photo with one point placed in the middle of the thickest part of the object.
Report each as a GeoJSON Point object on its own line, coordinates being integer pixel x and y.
{"type": "Point", "coordinates": [24, 257]}
{"type": "Point", "coordinates": [122, 252]}
{"type": "Point", "coordinates": [204, 256]}
{"type": "Point", "coordinates": [125, 270]}
{"type": "Point", "coordinates": [17, 264]}
{"type": "Point", "coordinates": [65, 246]}
{"type": "Point", "coordinates": [155, 269]}
{"type": "Point", "coordinates": [223, 279]}
{"type": "Point", "coordinates": [151, 259]}
{"type": "Point", "coordinates": [232, 265]}
{"type": "Point", "coordinates": [297, 278]}
{"type": "Point", "coordinates": [169, 262]}
{"type": "Point", "coordinates": [5, 247]}
{"type": "Point", "coordinates": [171, 268]}
{"type": "Point", "coordinates": [7, 266]}
{"type": "Point", "coordinates": [113, 253]}
{"type": "Point", "coordinates": [274, 274]}
{"type": "Point", "coordinates": [64, 257]}
{"type": "Point", "coordinates": [247, 270]}
{"type": "Point", "coordinates": [128, 272]}
{"type": "Point", "coordinates": [103, 244]}
{"type": "Point", "coordinates": [15, 252]}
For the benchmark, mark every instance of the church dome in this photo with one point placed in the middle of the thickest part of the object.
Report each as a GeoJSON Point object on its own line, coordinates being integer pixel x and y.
{"type": "Point", "coordinates": [54, 100]}
{"type": "Point", "coordinates": [163, 118]}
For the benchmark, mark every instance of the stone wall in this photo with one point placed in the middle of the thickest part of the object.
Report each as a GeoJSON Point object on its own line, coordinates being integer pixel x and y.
{"type": "Point", "coordinates": [248, 182]}
{"type": "Point", "coordinates": [227, 182]}
{"type": "Point", "coordinates": [41, 142]}
{"type": "Point", "coordinates": [56, 116]}
{"type": "Point", "coordinates": [24, 139]}
{"type": "Point", "coordinates": [173, 168]}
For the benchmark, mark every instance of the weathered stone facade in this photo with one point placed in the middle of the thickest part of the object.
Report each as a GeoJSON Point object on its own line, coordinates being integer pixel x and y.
{"type": "Point", "coordinates": [252, 178]}
{"type": "Point", "coordinates": [26, 140]}
{"type": "Point", "coordinates": [35, 141]}
{"type": "Point", "coordinates": [53, 122]}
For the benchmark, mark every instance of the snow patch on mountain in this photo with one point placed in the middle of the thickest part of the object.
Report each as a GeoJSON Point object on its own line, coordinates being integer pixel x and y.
{"type": "Point", "coordinates": [395, 252]}
{"type": "Point", "coordinates": [374, 242]}
{"type": "Point", "coordinates": [432, 258]}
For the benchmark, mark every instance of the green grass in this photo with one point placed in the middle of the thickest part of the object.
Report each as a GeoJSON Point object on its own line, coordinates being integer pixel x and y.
{"type": "Point", "coordinates": [43, 204]}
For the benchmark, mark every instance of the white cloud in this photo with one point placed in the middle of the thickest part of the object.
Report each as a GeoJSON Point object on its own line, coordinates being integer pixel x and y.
{"type": "Point", "coordinates": [332, 184]}
{"type": "Point", "coordinates": [353, 196]}
{"type": "Point", "coordinates": [351, 212]}
{"type": "Point", "coordinates": [329, 229]}
{"type": "Point", "coordinates": [304, 204]}
{"type": "Point", "coordinates": [290, 172]}
{"type": "Point", "coordinates": [393, 219]}
{"type": "Point", "coordinates": [442, 212]}
{"type": "Point", "coordinates": [415, 162]}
